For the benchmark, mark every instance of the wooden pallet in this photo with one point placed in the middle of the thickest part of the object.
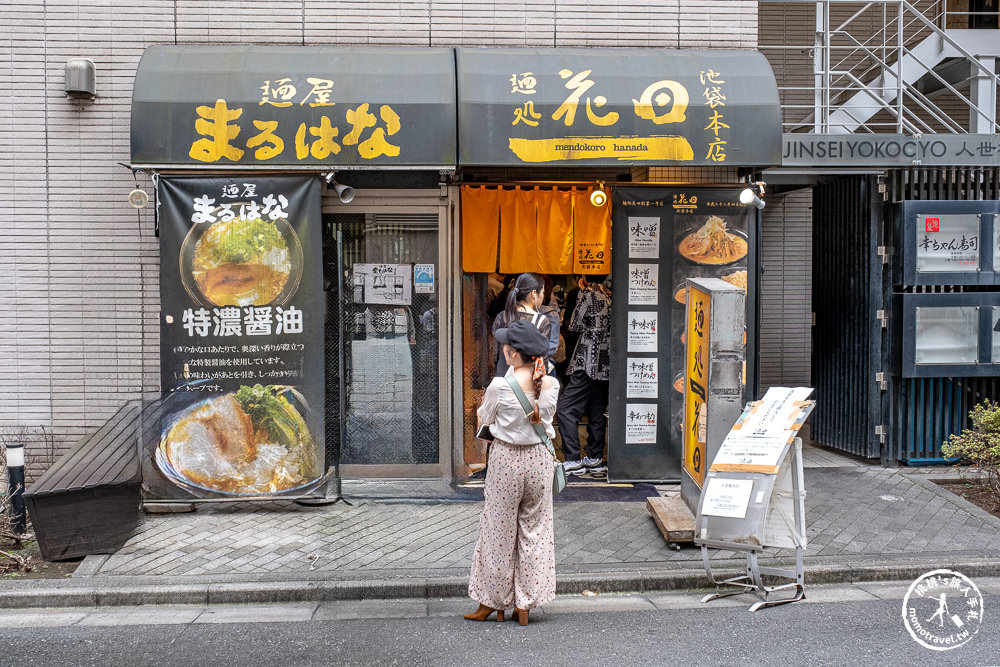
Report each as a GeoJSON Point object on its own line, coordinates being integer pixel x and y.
{"type": "Point", "coordinates": [673, 518]}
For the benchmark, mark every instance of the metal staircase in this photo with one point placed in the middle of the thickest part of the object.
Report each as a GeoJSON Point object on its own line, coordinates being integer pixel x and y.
{"type": "Point", "coordinates": [894, 66]}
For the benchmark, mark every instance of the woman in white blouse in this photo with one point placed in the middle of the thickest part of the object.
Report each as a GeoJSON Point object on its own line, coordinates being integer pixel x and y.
{"type": "Point", "coordinates": [514, 562]}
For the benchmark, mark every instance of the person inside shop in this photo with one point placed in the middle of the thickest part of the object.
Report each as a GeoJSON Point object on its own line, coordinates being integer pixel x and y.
{"type": "Point", "coordinates": [514, 560]}
{"type": "Point", "coordinates": [550, 309]}
{"type": "Point", "coordinates": [523, 302]}
{"type": "Point", "coordinates": [586, 390]}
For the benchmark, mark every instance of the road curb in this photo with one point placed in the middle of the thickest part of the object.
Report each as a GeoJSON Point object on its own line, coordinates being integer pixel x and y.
{"type": "Point", "coordinates": [106, 592]}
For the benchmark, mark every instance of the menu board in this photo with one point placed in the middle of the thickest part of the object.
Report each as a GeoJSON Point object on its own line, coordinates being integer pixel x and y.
{"type": "Point", "coordinates": [766, 427]}
{"type": "Point", "coordinates": [661, 237]}
{"type": "Point", "coordinates": [644, 237]}
{"type": "Point", "coordinates": [642, 279]}
{"type": "Point", "coordinates": [642, 331]}
{"type": "Point", "coordinates": [640, 423]}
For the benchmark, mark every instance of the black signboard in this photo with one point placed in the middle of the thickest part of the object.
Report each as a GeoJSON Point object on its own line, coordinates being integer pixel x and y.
{"type": "Point", "coordinates": [241, 338]}
{"type": "Point", "coordinates": [617, 106]}
{"type": "Point", "coordinates": [947, 242]}
{"type": "Point", "coordinates": [267, 106]}
{"type": "Point", "coordinates": [661, 237]}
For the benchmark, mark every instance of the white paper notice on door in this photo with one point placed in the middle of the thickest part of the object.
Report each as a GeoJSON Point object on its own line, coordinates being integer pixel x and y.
{"type": "Point", "coordinates": [642, 279]}
{"type": "Point", "coordinates": [640, 423]}
{"type": "Point", "coordinates": [386, 284]}
{"type": "Point", "coordinates": [642, 331]}
{"type": "Point", "coordinates": [641, 377]}
{"type": "Point", "coordinates": [644, 237]}
{"type": "Point", "coordinates": [726, 497]}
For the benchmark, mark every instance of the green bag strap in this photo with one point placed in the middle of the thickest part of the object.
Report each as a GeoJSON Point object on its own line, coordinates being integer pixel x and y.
{"type": "Point", "coordinates": [526, 404]}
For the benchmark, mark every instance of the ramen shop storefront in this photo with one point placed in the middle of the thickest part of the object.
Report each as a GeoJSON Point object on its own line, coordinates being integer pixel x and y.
{"type": "Point", "coordinates": [670, 137]}
{"type": "Point", "coordinates": [304, 324]}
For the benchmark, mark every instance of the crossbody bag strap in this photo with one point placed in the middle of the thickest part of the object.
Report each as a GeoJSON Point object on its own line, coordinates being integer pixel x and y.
{"type": "Point", "coordinates": [526, 404]}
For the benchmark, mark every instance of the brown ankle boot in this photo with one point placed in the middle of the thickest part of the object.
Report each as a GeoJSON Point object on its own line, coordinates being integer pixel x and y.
{"type": "Point", "coordinates": [521, 615]}
{"type": "Point", "coordinates": [483, 613]}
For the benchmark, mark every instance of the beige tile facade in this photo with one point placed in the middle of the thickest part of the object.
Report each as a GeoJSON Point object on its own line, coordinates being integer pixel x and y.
{"type": "Point", "coordinates": [79, 267]}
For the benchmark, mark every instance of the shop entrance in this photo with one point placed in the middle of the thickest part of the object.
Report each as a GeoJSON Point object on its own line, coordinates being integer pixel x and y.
{"type": "Point", "coordinates": [383, 344]}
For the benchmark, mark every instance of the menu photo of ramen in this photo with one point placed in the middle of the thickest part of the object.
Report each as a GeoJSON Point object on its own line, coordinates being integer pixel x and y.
{"type": "Point", "coordinates": [241, 262]}
{"type": "Point", "coordinates": [249, 442]}
{"type": "Point", "coordinates": [713, 243]}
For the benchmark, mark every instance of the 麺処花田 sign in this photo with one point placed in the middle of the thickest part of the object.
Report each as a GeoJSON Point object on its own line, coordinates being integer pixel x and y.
{"type": "Point", "coordinates": [603, 106]}
{"type": "Point", "coordinates": [241, 338]}
{"type": "Point", "coordinates": [267, 106]}
{"type": "Point", "coordinates": [889, 150]}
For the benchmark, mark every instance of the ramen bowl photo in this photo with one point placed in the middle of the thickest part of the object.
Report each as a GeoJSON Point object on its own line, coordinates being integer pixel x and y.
{"type": "Point", "coordinates": [250, 442]}
{"type": "Point", "coordinates": [713, 244]}
{"type": "Point", "coordinates": [241, 262]}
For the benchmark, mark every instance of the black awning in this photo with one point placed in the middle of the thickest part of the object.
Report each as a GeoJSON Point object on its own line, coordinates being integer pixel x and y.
{"type": "Point", "coordinates": [281, 106]}
{"type": "Point", "coordinates": [617, 106]}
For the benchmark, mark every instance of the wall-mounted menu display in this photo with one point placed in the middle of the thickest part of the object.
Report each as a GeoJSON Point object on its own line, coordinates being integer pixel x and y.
{"type": "Point", "coordinates": [948, 243]}
{"type": "Point", "coordinates": [661, 237]}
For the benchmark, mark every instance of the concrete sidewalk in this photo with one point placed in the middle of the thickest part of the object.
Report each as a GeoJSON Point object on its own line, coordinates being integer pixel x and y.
{"type": "Point", "coordinates": [865, 523]}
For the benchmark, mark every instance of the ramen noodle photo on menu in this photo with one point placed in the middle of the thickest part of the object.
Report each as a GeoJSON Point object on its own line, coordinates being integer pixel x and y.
{"type": "Point", "coordinates": [251, 441]}
{"type": "Point", "coordinates": [241, 262]}
{"type": "Point", "coordinates": [737, 278]}
{"type": "Point", "coordinates": [713, 243]}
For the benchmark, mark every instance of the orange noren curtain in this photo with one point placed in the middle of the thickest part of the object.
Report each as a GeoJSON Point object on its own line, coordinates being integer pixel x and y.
{"type": "Point", "coordinates": [554, 245]}
{"type": "Point", "coordinates": [518, 230]}
{"type": "Point", "coordinates": [480, 228]}
{"type": "Point", "coordinates": [591, 235]}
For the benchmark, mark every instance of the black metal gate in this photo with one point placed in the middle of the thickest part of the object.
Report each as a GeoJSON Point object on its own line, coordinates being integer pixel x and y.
{"type": "Point", "coordinates": [846, 298]}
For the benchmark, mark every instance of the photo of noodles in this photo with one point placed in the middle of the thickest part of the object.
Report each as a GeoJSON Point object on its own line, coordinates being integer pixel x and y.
{"type": "Point", "coordinates": [737, 278]}
{"type": "Point", "coordinates": [253, 441]}
{"type": "Point", "coordinates": [680, 294]}
{"type": "Point", "coordinates": [242, 262]}
{"type": "Point", "coordinates": [713, 244]}
{"type": "Point", "coordinates": [678, 383]}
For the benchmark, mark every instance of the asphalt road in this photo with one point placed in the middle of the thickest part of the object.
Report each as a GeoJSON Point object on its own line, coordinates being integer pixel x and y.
{"type": "Point", "coordinates": [831, 628]}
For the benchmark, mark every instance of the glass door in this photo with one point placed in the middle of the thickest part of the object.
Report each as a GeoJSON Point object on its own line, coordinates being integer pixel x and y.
{"type": "Point", "coordinates": [388, 323]}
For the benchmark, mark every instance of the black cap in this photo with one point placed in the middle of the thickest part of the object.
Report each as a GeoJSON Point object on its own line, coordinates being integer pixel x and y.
{"type": "Point", "coordinates": [524, 337]}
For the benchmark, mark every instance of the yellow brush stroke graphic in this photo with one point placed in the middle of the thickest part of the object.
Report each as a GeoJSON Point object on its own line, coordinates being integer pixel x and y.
{"type": "Point", "coordinates": [672, 148]}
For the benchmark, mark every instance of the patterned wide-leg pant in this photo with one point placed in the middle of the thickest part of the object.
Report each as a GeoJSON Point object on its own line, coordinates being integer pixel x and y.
{"type": "Point", "coordinates": [514, 563]}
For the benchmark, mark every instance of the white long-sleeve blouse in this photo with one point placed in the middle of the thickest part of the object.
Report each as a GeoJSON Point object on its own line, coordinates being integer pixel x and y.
{"type": "Point", "coordinates": [503, 413]}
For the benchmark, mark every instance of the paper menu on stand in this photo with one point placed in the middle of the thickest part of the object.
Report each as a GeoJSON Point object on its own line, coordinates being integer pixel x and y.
{"type": "Point", "coordinates": [757, 441]}
{"type": "Point", "coordinates": [727, 497]}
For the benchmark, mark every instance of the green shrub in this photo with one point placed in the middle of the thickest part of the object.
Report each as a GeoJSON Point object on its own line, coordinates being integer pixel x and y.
{"type": "Point", "coordinates": [979, 446]}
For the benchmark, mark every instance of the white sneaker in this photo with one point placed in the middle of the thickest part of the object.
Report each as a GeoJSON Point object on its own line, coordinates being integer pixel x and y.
{"type": "Point", "coordinates": [594, 465]}
{"type": "Point", "coordinates": [573, 467]}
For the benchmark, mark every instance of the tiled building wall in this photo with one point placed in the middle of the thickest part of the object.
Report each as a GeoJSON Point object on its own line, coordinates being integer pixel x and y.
{"type": "Point", "coordinates": [79, 267]}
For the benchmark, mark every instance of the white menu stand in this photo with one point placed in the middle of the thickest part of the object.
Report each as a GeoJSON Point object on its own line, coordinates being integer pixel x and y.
{"type": "Point", "coordinates": [748, 511]}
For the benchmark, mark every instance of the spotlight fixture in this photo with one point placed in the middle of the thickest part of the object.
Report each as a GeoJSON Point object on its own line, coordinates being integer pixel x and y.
{"type": "Point", "coordinates": [344, 192]}
{"type": "Point", "coordinates": [750, 196]}
{"type": "Point", "coordinates": [598, 197]}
